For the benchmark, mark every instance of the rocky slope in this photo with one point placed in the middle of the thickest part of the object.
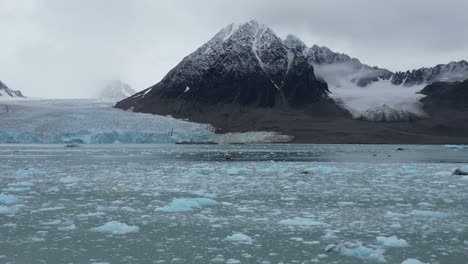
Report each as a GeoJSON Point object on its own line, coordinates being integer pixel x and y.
{"type": "Point", "coordinates": [447, 94]}
{"type": "Point", "coordinates": [5, 92]}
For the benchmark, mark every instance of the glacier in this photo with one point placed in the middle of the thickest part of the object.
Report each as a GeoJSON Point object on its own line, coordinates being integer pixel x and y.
{"type": "Point", "coordinates": [97, 122]}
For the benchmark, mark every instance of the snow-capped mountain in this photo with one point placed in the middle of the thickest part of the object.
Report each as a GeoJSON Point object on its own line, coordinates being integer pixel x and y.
{"type": "Point", "coordinates": [249, 65]}
{"type": "Point", "coordinates": [244, 64]}
{"type": "Point", "coordinates": [6, 92]}
{"type": "Point", "coordinates": [451, 72]}
{"type": "Point", "coordinates": [116, 90]}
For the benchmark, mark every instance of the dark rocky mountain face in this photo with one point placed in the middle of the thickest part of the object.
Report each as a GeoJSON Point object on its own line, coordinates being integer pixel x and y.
{"type": "Point", "coordinates": [448, 94]}
{"type": "Point", "coordinates": [7, 92]}
{"type": "Point", "coordinates": [243, 64]}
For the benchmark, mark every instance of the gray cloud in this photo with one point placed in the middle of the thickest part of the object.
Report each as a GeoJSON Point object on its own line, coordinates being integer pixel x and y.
{"type": "Point", "coordinates": [68, 48]}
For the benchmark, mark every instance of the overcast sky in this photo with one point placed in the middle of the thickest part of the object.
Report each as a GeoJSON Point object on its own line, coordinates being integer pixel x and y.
{"type": "Point", "coordinates": [71, 48]}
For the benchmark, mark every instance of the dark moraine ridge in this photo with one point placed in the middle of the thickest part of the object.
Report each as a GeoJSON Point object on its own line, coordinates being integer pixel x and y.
{"type": "Point", "coordinates": [248, 79]}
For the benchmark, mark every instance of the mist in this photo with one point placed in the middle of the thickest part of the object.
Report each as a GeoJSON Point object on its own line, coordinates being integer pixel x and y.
{"type": "Point", "coordinates": [71, 49]}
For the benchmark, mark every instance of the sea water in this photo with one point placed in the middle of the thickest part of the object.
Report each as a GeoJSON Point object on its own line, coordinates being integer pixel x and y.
{"type": "Point", "coordinates": [233, 204]}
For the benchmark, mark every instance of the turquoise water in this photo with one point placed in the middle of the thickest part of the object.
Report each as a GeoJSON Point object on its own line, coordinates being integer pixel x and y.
{"type": "Point", "coordinates": [232, 204]}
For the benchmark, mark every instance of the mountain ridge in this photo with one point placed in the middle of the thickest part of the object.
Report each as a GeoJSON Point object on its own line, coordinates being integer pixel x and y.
{"type": "Point", "coordinates": [7, 92]}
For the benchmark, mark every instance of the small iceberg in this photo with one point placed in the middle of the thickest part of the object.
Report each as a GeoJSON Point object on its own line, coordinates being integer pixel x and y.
{"type": "Point", "coordinates": [116, 228]}
{"type": "Point", "coordinates": [429, 214]}
{"type": "Point", "coordinates": [357, 250]}
{"type": "Point", "coordinates": [8, 199]}
{"type": "Point", "coordinates": [239, 238]}
{"type": "Point", "coordinates": [70, 179]}
{"type": "Point", "coordinates": [186, 205]}
{"type": "Point", "coordinates": [391, 242]}
{"type": "Point", "coordinates": [412, 261]}
{"type": "Point", "coordinates": [455, 147]}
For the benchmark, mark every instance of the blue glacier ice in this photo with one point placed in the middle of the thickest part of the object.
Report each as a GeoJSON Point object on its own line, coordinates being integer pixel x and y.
{"type": "Point", "coordinates": [97, 122]}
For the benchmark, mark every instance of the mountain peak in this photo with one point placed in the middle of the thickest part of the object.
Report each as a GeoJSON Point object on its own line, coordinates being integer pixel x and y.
{"type": "Point", "coordinates": [294, 43]}
{"type": "Point", "coordinates": [7, 92]}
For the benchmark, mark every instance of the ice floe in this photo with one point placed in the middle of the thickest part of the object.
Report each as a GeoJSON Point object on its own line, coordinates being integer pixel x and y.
{"type": "Point", "coordinates": [8, 199]}
{"type": "Point", "coordinates": [299, 221]}
{"type": "Point", "coordinates": [186, 204]}
{"type": "Point", "coordinates": [412, 261]}
{"type": "Point", "coordinates": [392, 241]}
{"type": "Point", "coordinates": [429, 214]}
{"type": "Point", "coordinates": [239, 238]}
{"type": "Point", "coordinates": [357, 250]}
{"type": "Point", "coordinates": [116, 228]}
{"type": "Point", "coordinates": [70, 179]}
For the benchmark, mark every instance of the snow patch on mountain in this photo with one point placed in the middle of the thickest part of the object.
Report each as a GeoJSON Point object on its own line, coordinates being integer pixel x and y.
{"type": "Point", "coordinates": [380, 101]}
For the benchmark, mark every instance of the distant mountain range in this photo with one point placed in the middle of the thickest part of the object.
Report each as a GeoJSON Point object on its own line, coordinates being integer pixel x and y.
{"type": "Point", "coordinates": [247, 78]}
{"type": "Point", "coordinates": [6, 92]}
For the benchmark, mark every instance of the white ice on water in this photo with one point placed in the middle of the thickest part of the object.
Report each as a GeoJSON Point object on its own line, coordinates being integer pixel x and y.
{"type": "Point", "coordinates": [116, 228]}
{"type": "Point", "coordinates": [256, 207]}
{"type": "Point", "coordinates": [186, 205]}
{"type": "Point", "coordinates": [412, 261]}
{"type": "Point", "coordinates": [239, 238]}
{"type": "Point", "coordinates": [392, 241]}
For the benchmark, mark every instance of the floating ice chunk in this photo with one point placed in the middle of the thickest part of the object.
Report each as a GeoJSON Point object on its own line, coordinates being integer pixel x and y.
{"type": "Point", "coordinates": [5, 210]}
{"type": "Point", "coordinates": [394, 215]}
{"type": "Point", "coordinates": [329, 235]}
{"type": "Point", "coordinates": [233, 261]}
{"type": "Point", "coordinates": [48, 209]}
{"type": "Point", "coordinates": [204, 194]}
{"type": "Point", "coordinates": [29, 172]}
{"type": "Point", "coordinates": [129, 209]}
{"type": "Point", "coordinates": [392, 241]}
{"type": "Point", "coordinates": [299, 221]}
{"type": "Point", "coordinates": [237, 171]}
{"type": "Point", "coordinates": [107, 208]}
{"type": "Point", "coordinates": [186, 204]}
{"type": "Point", "coordinates": [70, 179]}
{"type": "Point", "coordinates": [344, 204]}
{"type": "Point", "coordinates": [455, 147]}
{"type": "Point", "coordinates": [272, 168]}
{"type": "Point", "coordinates": [425, 204]}
{"type": "Point", "coordinates": [116, 228]}
{"type": "Point", "coordinates": [8, 199]}
{"type": "Point", "coordinates": [465, 242]}
{"type": "Point", "coordinates": [17, 189]}
{"type": "Point", "coordinates": [429, 214]}
{"type": "Point", "coordinates": [361, 252]}
{"type": "Point", "coordinates": [87, 215]}
{"type": "Point", "coordinates": [239, 238]}
{"type": "Point", "coordinates": [412, 261]}
{"type": "Point", "coordinates": [322, 169]}
{"type": "Point", "coordinates": [67, 228]}
{"type": "Point", "coordinates": [54, 222]}
{"type": "Point", "coordinates": [464, 178]}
